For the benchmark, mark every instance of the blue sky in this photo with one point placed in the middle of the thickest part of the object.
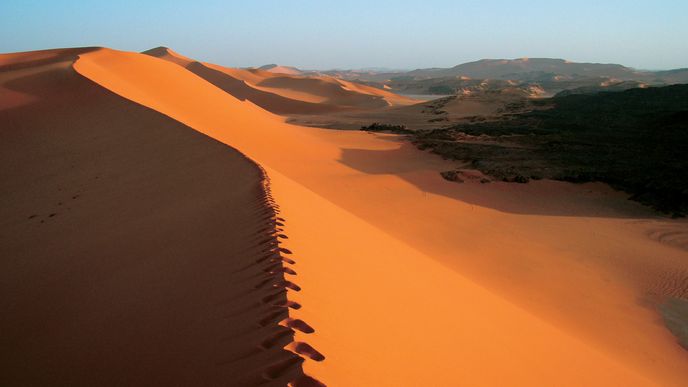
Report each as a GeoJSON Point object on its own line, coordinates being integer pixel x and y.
{"type": "Point", "coordinates": [353, 34]}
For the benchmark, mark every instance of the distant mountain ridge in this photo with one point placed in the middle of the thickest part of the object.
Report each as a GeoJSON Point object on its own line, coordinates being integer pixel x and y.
{"type": "Point", "coordinates": [550, 75]}
{"type": "Point", "coordinates": [517, 68]}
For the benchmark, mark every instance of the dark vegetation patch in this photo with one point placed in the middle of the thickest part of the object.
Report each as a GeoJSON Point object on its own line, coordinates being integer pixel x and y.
{"type": "Point", "coordinates": [436, 106]}
{"type": "Point", "coordinates": [451, 176]}
{"type": "Point", "coordinates": [386, 128]}
{"type": "Point", "coordinates": [441, 89]}
{"type": "Point", "coordinates": [635, 140]}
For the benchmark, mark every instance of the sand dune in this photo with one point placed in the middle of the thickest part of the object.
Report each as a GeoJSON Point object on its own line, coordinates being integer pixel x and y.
{"type": "Point", "coordinates": [115, 271]}
{"type": "Point", "coordinates": [334, 91]}
{"type": "Point", "coordinates": [409, 279]}
{"type": "Point", "coordinates": [273, 68]}
{"type": "Point", "coordinates": [320, 89]}
{"type": "Point", "coordinates": [284, 93]}
{"type": "Point", "coordinates": [273, 102]}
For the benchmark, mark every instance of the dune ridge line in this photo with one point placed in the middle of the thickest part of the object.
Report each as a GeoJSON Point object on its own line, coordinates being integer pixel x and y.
{"type": "Point", "coordinates": [276, 259]}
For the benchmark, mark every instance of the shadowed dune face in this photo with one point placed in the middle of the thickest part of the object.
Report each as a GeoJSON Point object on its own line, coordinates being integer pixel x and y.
{"type": "Point", "coordinates": [135, 250]}
{"type": "Point", "coordinates": [387, 246]}
{"type": "Point", "coordinates": [28, 61]}
{"type": "Point", "coordinates": [16, 61]}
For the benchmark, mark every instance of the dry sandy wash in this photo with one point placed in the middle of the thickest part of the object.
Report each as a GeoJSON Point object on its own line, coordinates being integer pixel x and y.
{"type": "Point", "coordinates": [164, 263]}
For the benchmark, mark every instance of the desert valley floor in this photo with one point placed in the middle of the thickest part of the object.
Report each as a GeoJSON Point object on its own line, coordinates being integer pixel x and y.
{"type": "Point", "coordinates": [163, 224]}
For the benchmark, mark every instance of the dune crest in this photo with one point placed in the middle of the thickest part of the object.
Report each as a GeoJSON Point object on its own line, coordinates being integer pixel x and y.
{"type": "Point", "coordinates": [169, 55]}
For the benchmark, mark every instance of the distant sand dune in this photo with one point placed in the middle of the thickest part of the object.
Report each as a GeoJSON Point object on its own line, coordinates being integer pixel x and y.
{"type": "Point", "coordinates": [281, 69]}
{"type": "Point", "coordinates": [285, 93]}
{"type": "Point", "coordinates": [269, 101]}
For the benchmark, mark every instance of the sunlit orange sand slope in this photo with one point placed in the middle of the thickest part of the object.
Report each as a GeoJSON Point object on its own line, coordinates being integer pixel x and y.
{"type": "Point", "coordinates": [284, 93]}
{"type": "Point", "coordinates": [134, 250]}
{"type": "Point", "coordinates": [412, 280]}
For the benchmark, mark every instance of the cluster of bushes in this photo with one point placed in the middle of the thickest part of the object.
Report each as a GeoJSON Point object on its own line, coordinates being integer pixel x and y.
{"type": "Point", "coordinates": [635, 140]}
{"type": "Point", "coordinates": [377, 127]}
{"type": "Point", "coordinates": [441, 89]}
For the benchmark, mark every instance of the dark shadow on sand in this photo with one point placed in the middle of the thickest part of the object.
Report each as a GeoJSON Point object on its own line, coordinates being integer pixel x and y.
{"type": "Point", "coordinates": [533, 198]}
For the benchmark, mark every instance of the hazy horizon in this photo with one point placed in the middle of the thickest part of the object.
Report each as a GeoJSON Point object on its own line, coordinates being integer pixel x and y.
{"type": "Point", "coordinates": [310, 35]}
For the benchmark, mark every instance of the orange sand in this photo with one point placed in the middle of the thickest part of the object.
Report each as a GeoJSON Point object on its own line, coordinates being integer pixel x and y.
{"type": "Point", "coordinates": [395, 262]}
{"type": "Point", "coordinates": [115, 270]}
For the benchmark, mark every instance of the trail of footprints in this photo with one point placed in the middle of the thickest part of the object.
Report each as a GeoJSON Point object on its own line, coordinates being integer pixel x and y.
{"type": "Point", "coordinates": [275, 261]}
